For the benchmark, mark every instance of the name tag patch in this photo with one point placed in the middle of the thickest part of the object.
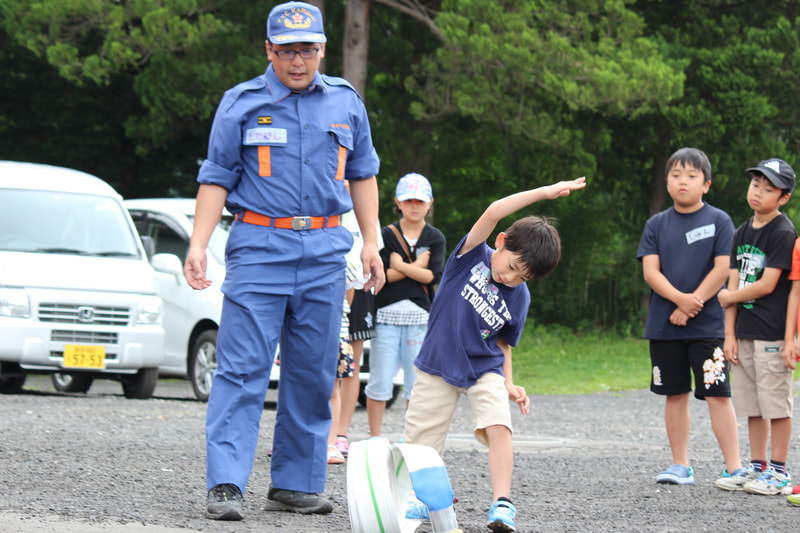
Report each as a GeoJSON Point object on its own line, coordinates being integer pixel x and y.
{"type": "Point", "coordinates": [265, 136]}
{"type": "Point", "coordinates": [698, 234]}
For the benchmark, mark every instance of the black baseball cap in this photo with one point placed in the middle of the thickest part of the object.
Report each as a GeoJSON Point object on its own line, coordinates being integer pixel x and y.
{"type": "Point", "coordinates": [778, 172]}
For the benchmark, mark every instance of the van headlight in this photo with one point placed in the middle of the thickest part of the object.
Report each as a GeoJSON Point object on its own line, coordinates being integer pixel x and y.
{"type": "Point", "coordinates": [14, 302]}
{"type": "Point", "coordinates": [150, 311]}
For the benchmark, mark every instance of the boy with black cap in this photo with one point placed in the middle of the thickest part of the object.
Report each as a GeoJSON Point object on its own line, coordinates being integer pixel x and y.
{"type": "Point", "coordinates": [755, 324]}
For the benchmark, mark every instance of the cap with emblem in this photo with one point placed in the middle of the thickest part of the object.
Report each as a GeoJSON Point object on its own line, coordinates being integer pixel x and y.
{"type": "Point", "coordinates": [295, 22]}
{"type": "Point", "coordinates": [778, 172]}
{"type": "Point", "coordinates": [413, 186]}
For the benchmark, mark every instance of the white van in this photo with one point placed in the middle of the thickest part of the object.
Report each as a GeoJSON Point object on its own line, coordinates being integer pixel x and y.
{"type": "Point", "coordinates": [77, 292]}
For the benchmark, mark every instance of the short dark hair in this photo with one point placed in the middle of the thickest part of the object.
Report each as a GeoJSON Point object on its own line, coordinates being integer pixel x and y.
{"type": "Point", "coordinates": [537, 243]}
{"type": "Point", "coordinates": [697, 158]}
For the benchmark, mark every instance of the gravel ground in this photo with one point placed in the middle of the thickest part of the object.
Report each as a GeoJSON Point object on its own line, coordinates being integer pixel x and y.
{"type": "Point", "coordinates": [99, 462]}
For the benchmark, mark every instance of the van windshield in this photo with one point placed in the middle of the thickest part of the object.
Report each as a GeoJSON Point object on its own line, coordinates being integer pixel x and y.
{"type": "Point", "coordinates": [64, 223]}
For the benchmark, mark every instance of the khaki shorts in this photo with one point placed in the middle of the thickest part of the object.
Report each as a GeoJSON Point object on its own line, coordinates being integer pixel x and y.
{"type": "Point", "coordinates": [433, 402]}
{"type": "Point", "coordinates": [761, 383]}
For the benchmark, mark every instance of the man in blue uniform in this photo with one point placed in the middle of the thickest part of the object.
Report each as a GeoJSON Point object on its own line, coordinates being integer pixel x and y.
{"type": "Point", "coordinates": [280, 148]}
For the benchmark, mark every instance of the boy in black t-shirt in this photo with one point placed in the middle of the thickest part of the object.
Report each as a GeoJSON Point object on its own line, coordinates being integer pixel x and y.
{"type": "Point", "coordinates": [755, 321]}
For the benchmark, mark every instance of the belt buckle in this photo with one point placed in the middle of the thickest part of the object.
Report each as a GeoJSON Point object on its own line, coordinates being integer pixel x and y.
{"type": "Point", "coordinates": [301, 223]}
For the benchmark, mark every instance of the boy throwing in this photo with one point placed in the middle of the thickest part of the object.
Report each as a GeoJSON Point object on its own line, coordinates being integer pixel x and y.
{"type": "Point", "coordinates": [477, 316]}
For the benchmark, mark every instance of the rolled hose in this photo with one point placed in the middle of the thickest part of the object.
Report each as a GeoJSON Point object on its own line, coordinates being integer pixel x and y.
{"type": "Point", "coordinates": [380, 478]}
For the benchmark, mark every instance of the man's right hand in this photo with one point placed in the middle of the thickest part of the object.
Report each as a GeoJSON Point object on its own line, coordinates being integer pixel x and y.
{"type": "Point", "coordinates": [195, 269]}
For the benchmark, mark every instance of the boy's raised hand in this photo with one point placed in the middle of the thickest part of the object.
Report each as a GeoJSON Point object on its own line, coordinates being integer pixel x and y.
{"type": "Point", "coordinates": [563, 188]}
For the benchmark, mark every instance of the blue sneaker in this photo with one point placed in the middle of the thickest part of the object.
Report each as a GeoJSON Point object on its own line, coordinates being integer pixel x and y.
{"type": "Point", "coordinates": [416, 510]}
{"type": "Point", "coordinates": [501, 516]}
{"type": "Point", "coordinates": [676, 475]}
{"type": "Point", "coordinates": [736, 479]}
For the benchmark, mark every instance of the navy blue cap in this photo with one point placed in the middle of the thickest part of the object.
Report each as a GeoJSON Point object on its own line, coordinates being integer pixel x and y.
{"type": "Point", "coordinates": [295, 22]}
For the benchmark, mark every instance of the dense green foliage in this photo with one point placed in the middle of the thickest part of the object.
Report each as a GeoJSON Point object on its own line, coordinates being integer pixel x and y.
{"type": "Point", "coordinates": [519, 93]}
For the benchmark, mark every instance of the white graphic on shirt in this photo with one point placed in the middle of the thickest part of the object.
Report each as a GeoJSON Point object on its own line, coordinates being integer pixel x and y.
{"type": "Point", "coordinates": [698, 234]}
{"type": "Point", "coordinates": [751, 261]}
{"type": "Point", "coordinates": [483, 296]}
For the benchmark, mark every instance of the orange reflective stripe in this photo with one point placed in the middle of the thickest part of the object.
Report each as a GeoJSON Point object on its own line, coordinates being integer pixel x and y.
{"type": "Point", "coordinates": [340, 168]}
{"type": "Point", "coordinates": [264, 165]}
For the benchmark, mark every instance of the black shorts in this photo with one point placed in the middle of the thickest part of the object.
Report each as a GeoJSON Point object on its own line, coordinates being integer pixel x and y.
{"type": "Point", "coordinates": [673, 362]}
{"type": "Point", "coordinates": [362, 315]}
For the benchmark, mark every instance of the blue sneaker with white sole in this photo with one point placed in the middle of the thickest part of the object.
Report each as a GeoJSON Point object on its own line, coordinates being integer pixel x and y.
{"type": "Point", "coordinates": [416, 510]}
{"type": "Point", "coordinates": [676, 475]}
{"type": "Point", "coordinates": [501, 516]}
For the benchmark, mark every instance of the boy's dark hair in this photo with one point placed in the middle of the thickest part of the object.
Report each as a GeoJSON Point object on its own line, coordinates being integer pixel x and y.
{"type": "Point", "coordinates": [537, 243]}
{"type": "Point", "coordinates": [697, 158]}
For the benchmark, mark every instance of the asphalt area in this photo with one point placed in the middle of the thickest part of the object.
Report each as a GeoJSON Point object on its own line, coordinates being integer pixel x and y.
{"type": "Point", "coordinates": [98, 462]}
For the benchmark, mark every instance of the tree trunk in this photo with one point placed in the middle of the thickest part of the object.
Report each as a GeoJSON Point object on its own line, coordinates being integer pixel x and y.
{"type": "Point", "coordinates": [658, 179]}
{"type": "Point", "coordinates": [321, 5]}
{"type": "Point", "coordinates": [356, 44]}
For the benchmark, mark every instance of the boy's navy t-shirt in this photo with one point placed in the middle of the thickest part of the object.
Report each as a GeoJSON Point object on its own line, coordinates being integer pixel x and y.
{"type": "Point", "coordinates": [468, 313]}
{"type": "Point", "coordinates": [686, 244]}
{"type": "Point", "coordinates": [755, 249]}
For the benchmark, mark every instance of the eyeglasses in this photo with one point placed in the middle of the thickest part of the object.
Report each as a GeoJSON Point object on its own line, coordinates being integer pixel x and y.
{"type": "Point", "coordinates": [305, 53]}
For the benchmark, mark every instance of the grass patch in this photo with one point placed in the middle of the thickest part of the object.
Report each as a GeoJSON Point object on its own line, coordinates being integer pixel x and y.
{"type": "Point", "coordinates": [555, 360]}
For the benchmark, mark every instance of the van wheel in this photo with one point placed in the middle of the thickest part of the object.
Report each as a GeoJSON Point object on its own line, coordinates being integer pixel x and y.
{"type": "Point", "coordinates": [362, 395]}
{"type": "Point", "coordinates": [71, 382]}
{"type": "Point", "coordinates": [202, 363]}
{"type": "Point", "coordinates": [141, 385]}
{"type": "Point", "coordinates": [11, 378]}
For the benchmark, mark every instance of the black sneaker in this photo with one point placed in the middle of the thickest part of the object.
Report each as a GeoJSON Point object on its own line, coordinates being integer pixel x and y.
{"type": "Point", "coordinates": [225, 502]}
{"type": "Point", "coordinates": [297, 502]}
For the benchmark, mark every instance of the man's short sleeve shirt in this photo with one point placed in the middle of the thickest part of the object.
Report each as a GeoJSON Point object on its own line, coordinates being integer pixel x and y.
{"type": "Point", "coordinates": [468, 313]}
{"type": "Point", "coordinates": [284, 153]}
{"type": "Point", "coordinates": [687, 245]}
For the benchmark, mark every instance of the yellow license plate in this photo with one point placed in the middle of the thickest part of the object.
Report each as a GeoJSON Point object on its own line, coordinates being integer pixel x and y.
{"type": "Point", "coordinates": [84, 356]}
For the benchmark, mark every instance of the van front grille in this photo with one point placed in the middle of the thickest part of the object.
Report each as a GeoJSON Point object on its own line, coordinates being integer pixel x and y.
{"type": "Point", "coordinates": [84, 314]}
{"type": "Point", "coordinates": [83, 337]}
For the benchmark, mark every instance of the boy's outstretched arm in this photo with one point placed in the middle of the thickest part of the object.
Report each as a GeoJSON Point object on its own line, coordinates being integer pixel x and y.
{"type": "Point", "coordinates": [499, 209]}
{"type": "Point", "coordinates": [516, 393]}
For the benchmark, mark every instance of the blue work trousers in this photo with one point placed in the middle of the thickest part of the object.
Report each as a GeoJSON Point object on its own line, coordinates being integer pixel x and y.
{"type": "Point", "coordinates": [287, 285]}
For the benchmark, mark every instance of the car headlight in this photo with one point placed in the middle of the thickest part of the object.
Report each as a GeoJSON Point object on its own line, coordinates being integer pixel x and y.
{"type": "Point", "coordinates": [15, 302]}
{"type": "Point", "coordinates": [150, 311]}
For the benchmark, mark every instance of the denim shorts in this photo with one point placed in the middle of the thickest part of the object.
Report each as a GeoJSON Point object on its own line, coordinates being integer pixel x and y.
{"type": "Point", "coordinates": [392, 347]}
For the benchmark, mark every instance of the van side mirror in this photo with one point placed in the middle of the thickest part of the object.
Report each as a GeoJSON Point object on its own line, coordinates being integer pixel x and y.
{"type": "Point", "coordinates": [169, 264]}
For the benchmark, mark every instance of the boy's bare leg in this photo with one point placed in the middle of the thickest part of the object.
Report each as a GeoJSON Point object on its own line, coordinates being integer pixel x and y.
{"type": "Point", "coordinates": [349, 390]}
{"type": "Point", "coordinates": [375, 411]}
{"type": "Point", "coordinates": [781, 435]}
{"type": "Point", "coordinates": [501, 460]}
{"type": "Point", "coordinates": [677, 422]}
{"type": "Point", "coordinates": [336, 407]}
{"type": "Point", "coordinates": [758, 430]}
{"type": "Point", "coordinates": [723, 423]}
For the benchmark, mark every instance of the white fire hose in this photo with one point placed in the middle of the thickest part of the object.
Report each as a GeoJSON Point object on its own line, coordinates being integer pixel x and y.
{"type": "Point", "coordinates": [380, 477]}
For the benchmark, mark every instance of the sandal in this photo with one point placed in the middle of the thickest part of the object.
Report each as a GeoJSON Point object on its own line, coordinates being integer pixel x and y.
{"type": "Point", "coordinates": [335, 457]}
{"type": "Point", "coordinates": [342, 445]}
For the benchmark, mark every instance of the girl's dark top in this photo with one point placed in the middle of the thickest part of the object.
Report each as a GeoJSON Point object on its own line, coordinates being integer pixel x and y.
{"type": "Point", "coordinates": [407, 288]}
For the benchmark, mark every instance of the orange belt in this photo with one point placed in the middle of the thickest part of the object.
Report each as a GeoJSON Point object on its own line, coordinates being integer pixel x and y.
{"type": "Point", "coordinates": [295, 223]}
